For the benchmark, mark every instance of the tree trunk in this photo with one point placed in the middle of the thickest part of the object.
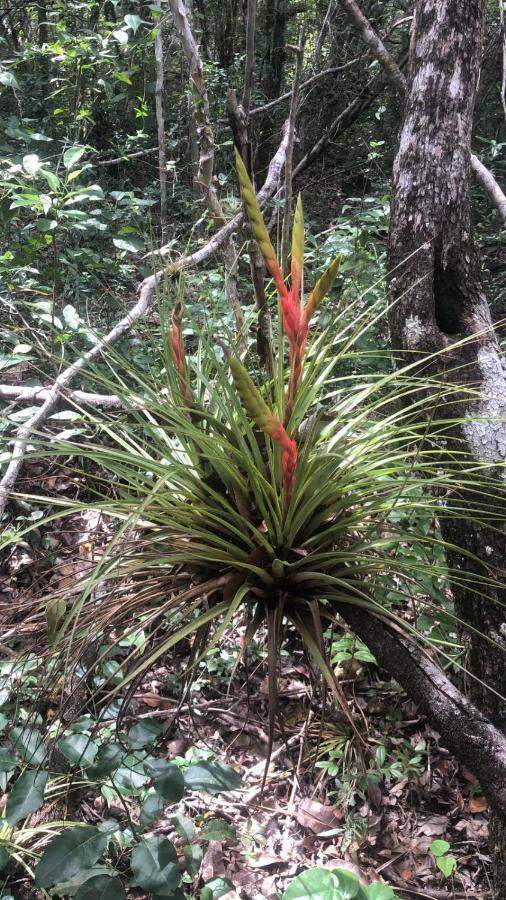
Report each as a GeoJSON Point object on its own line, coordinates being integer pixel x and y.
{"type": "Point", "coordinates": [438, 302]}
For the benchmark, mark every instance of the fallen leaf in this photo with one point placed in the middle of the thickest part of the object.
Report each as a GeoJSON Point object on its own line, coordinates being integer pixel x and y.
{"type": "Point", "coordinates": [317, 816]}
{"type": "Point", "coordinates": [478, 805]}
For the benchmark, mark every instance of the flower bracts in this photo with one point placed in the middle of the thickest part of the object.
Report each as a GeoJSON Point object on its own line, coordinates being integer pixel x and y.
{"type": "Point", "coordinates": [295, 319]}
{"type": "Point", "coordinates": [258, 228]}
{"type": "Point", "coordinates": [178, 351]}
{"type": "Point", "coordinates": [266, 421]}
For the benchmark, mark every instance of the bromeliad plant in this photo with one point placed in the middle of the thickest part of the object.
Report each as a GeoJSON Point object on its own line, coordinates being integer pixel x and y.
{"type": "Point", "coordinates": [320, 489]}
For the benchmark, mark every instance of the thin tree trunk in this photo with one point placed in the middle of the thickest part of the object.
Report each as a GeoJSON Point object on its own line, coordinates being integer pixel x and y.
{"type": "Point", "coordinates": [438, 303]}
{"type": "Point", "coordinates": [205, 174]}
{"type": "Point", "coordinates": [160, 123]}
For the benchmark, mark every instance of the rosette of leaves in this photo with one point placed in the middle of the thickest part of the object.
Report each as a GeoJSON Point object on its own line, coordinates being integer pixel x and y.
{"type": "Point", "coordinates": [279, 500]}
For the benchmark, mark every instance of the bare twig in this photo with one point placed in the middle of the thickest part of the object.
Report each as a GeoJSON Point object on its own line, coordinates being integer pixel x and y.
{"type": "Point", "coordinates": [323, 74]}
{"type": "Point", "coordinates": [146, 294]}
{"type": "Point", "coordinates": [126, 157]}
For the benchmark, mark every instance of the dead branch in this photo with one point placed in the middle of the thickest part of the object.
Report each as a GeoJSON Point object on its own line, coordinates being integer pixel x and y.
{"type": "Point", "coordinates": [65, 379]}
{"type": "Point", "coordinates": [305, 84]}
{"type": "Point", "coordinates": [146, 294]}
{"type": "Point", "coordinates": [126, 157]}
{"type": "Point", "coordinates": [344, 120]}
{"type": "Point", "coordinates": [38, 394]}
{"type": "Point", "coordinates": [375, 44]}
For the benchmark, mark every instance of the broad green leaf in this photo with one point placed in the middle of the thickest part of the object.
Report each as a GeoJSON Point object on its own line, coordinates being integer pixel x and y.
{"type": "Point", "coordinates": [144, 734]}
{"type": "Point", "coordinates": [170, 784]}
{"type": "Point", "coordinates": [218, 830]}
{"type": "Point", "coordinates": [212, 776]}
{"type": "Point", "coordinates": [4, 858]}
{"type": "Point", "coordinates": [31, 163]}
{"type": "Point", "coordinates": [76, 849]}
{"type": "Point", "coordinates": [71, 316]}
{"type": "Point", "coordinates": [122, 76]}
{"type": "Point", "coordinates": [8, 761]}
{"type": "Point", "coordinates": [439, 848]}
{"type": "Point", "coordinates": [132, 244]}
{"type": "Point", "coordinates": [101, 887]}
{"type": "Point", "coordinates": [446, 865]}
{"type": "Point", "coordinates": [127, 781]}
{"type": "Point", "coordinates": [153, 804]}
{"type": "Point", "coordinates": [22, 348]}
{"type": "Point", "coordinates": [184, 827]}
{"type": "Point", "coordinates": [321, 884]}
{"type": "Point", "coordinates": [378, 891]}
{"type": "Point", "coordinates": [52, 179]}
{"type": "Point", "coordinates": [26, 796]}
{"type": "Point", "coordinates": [193, 854]}
{"type": "Point", "coordinates": [9, 79]}
{"type": "Point", "coordinates": [108, 760]}
{"type": "Point", "coordinates": [133, 22]}
{"type": "Point", "coordinates": [30, 744]}
{"type": "Point", "coordinates": [72, 156]}
{"type": "Point", "coordinates": [121, 37]}
{"type": "Point", "coordinates": [216, 888]}
{"type": "Point", "coordinates": [155, 866]}
{"type": "Point", "coordinates": [79, 749]}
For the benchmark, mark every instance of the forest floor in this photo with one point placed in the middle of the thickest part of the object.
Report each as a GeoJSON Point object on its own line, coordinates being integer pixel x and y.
{"type": "Point", "coordinates": [326, 802]}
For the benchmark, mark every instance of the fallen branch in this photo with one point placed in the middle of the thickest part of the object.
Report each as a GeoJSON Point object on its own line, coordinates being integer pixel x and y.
{"type": "Point", "coordinates": [146, 294]}
{"type": "Point", "coordinates": [126, 157]}
{"type": "Point", "coordinates": [38, 394]}
{"type": "Point", "coordinates": [473, 739]}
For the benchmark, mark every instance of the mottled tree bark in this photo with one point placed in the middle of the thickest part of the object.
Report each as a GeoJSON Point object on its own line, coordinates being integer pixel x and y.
{"type": "Point", "coordinates": [438, 303]}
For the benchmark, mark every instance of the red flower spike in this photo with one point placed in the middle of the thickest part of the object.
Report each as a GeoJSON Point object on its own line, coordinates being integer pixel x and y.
{"type": "Point", "coordinates": [178, 351]}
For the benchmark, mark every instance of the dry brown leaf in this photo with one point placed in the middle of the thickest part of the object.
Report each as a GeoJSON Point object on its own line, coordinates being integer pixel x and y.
{"type": "Point", "coordinates": [478, 805]}
{"type": "Point", "coordinates": [317, 816]}
{"type": "Point", "coordinates": [433, 825]}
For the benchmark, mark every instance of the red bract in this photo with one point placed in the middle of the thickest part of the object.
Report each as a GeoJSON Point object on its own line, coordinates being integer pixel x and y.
{"type": "Point", "coordinates": [290, 313]}
{"type": "Point", "coordinates": [288, 459]}
{"type": "Point", "coordinates": [178, 351]}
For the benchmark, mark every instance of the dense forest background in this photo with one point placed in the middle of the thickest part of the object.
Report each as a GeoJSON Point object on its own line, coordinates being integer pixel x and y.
{"type": "Point", "coordinates": [129, 276]}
